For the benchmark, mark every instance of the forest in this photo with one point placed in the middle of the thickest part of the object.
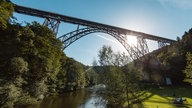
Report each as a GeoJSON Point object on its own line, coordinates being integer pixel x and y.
{"type": "Point", "coordinates": [32, 63]}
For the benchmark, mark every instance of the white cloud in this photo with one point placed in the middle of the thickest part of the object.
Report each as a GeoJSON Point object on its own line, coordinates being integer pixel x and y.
{"type": "Point", "coordinates": [183, 4]}
{"type": "Point", "coordinates": [108, 39]}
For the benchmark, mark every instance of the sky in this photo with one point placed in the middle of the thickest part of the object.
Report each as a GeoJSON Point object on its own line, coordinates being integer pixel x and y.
{"type": "Point", "coordinates": [165, 18]}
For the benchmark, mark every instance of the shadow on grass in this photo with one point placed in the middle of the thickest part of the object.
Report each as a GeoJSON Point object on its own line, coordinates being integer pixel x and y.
{"type": "Point", "coordinates": [181, 105]}
{"type": "Point", "coordinates": [172, 104]}
{"type": "Point", "coordinates": [166, 94]}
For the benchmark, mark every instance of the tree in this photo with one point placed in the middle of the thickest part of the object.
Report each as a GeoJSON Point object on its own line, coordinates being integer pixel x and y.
{"type": "Point", "coordinates": [105, 56]}
{"type": "Point", "coordinates": [17, 68]}
{"type": "Point", "coordinates": [18, 65]}
{"type": "Point", "coordinates": [9, 95]}
{"type": "Point", "coordinates": [61, 76]}
{"type": "Point", "coordinates": [75, 74]}
{"type": "Point", "coordinates": [121, 81]}
{"type": "Point", "coordinates": [173, 58]}
{"type": "Point", "coordinates": [132, 78]}
{"type": "Point", "coordinates": [30, 58]}
{"type": "Point", "coordinates": [32, 61]}
{"type": "Point", "coordinates": [91, 77]}
{"type": "Point", "coordinates": [188, 69]}
{"type": "Point", "coordinates": [43, 54]}
{"type": "Point", "coordinates": [6, 11]}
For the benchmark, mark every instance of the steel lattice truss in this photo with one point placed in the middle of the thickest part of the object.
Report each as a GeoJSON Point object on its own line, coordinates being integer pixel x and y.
{"type": "Point", "coordinates": [52, 24]}
{"type": "Point", "coordinates": [133, 51]}
{"type": "Point", "coordinates": [52, 20]}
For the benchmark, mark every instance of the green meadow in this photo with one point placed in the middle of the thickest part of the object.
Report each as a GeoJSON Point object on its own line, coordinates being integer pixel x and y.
{"type": "Point", "coordinates": [162, 97]}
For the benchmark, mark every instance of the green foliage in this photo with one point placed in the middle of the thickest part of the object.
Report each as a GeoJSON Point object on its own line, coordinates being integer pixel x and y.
{"type": "Point", "coordinates": [114, 92]}
{"type": "Point", "coordinates": [9, 95]}
{"type": "Point", "coordinates": [188, 69]}
{"type": "Point", "coordinates": [17, 66]}
{"type": "Point", "coordinates": [105, 55]}
{"type": "Point", "coordinates": [6, 11]}
{"type": "Point", "coordinates": [75, 74]}
{"type": "Point", "coordinates": [173, 58]}
{"type": "Point", "coordinates": [120, 79]}
{"type": "Point", "coordinates": [24, 100]}
{"type": "Point", "coordinates": [132, 78]}
{"type": "Point", "coordinates": [34, 59]}
{"type": "Point", "coordinates": [92, 77]}
{"type": "Point", "coordinates": [31, 56]}
{"type": "Point", "coordinates": [186, 42]}
{"type": "Point", "coordinates": [61, 76]}
{"type": "Point", "coordinates": [45, 56]}
{"type": "Point", "coordinates": [37, 89]}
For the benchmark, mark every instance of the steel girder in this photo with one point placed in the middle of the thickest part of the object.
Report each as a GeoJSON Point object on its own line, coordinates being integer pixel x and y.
{"type": "Point", "coordinates": [71, 37]}
{"type": "Point", "coordinates": [72, 20]}
{"type": "Point", "coordinates": [162, 44]}
{"type": "Point", "coordinates": [52, 24]}
{"type": "Point", "coordinates": [55, 17]}
{"type": "Point", "coordinates": [142, 45]}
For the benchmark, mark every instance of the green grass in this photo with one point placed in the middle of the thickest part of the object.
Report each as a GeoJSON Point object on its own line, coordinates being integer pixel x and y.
{"type": "Point", "coordinates": [161, 97]}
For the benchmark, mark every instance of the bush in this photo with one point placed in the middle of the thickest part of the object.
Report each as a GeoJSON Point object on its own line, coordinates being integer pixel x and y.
{"type": "Point", "coordinates": [9, 95]}
{"type": "Point", "coordinates": [25, 100]}
{"type": "Point", "coordinates": [38, 88]}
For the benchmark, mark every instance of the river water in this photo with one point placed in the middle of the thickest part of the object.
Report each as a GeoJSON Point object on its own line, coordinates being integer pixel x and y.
{"type": "Point", "coordinates": [84, 98]}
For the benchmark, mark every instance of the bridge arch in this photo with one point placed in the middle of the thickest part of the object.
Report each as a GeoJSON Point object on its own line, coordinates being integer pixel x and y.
{"type": "Point", "coordinates": [73, 36]}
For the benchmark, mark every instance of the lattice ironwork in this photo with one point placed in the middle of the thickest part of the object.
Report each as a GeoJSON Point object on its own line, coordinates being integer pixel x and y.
{"type": "Point", "coordinates": [52, 24]}
{"type": "Point", "coordinates": [142, 45]}
{"type": "Point", "coordinates": [162, 44]}
{"type": "Point", "coordinates": [71, 37]}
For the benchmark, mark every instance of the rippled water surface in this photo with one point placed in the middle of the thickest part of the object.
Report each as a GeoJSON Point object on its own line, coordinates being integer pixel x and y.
{"type": "Point", "coordinates": [84, 98]}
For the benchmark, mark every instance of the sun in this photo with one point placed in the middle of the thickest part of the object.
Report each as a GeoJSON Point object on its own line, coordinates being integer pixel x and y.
{"type": "Point", "coordinates": [132, 40]}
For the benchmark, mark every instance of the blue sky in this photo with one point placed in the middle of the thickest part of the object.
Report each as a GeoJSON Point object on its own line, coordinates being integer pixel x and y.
{"type": "Point", "coordinates": [165, 18]}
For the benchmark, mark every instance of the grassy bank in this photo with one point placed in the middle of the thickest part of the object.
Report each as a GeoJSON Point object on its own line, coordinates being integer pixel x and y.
{"type": "Point", "coordinates": [161, 97]}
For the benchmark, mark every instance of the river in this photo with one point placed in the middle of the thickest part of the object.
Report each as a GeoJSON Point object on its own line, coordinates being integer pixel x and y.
{"type": "Point", "coordinates": [84, 98]}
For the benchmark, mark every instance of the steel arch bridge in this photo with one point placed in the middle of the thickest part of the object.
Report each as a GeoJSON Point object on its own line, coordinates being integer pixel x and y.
{"type": "Point", "coordinates": [84, 27]}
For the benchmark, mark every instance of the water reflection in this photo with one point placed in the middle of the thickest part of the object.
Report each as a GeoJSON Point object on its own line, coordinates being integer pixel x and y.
{"type": "Point", "coordinates": [80, 99]}
{"type": "Point", "coordinates": [93, 102]}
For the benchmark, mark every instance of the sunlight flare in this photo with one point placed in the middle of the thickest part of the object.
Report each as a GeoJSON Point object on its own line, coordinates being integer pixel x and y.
{"type": "Point", "coordinates": [132, 40]}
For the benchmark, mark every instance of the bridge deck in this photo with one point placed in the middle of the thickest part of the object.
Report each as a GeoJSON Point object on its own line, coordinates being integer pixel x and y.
{"type": "Point", "coordinates": [68, 19]}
